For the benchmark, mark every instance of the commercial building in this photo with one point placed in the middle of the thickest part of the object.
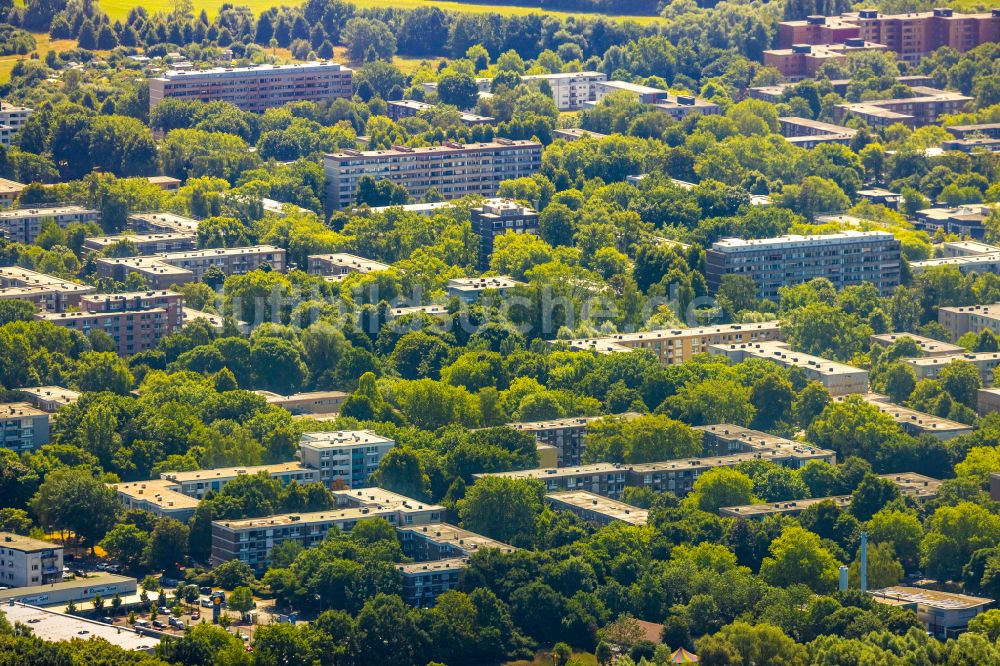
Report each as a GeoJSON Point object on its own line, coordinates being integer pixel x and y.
{"type": "Point", "coordinates": [162, 223]}
{"type": "Point", "coordinates": [49, 398]}
{"type": "Point", "coordinates": [344, 458]}
{"type": "Point", "coordinates": [25, 561]}
{"type": "Point", "coordinates": [917, 423]}
{"type": "Point", "coordinates": [596, 509]}
{"type": "Point", "coordinates": [845, 258]}
{"type": "Point", "coordinates": [928, 368]}
{"type": "Point", "coordinates": [470, 289]}
{"type": "Point", "coordinates": [177, 241]}
{"type": "Point", "coordinates": [925, 108]}
{"type": "Point", "coordinates": [46, 291]}
{"type": "Point", "coordinates": [962, 319]}
{"type": "Point", "coordinates": [136, 321]}
{"type": "Point", "coordinates": [807, 133]}
{"type": "Point", "coordinates": [408, 108]}
{"type": "Point", "coordinates": [642, 94]}
{"type": "Point", "coordinates": [198, 482]}
{"type": "Point", "coordinates": [22, 225]}
{"type": "Point", "coordinates": [570, 90]}
{"type": "Point", "coordinates": [566, 435]}
{"type": "Point", "coordinates": [310, 402]}
{"type": "Point", "coordinates": [838, 378]}
{"type": "Point", "coordinates": [158, 496]}
{"type": "Point", "coordinates": [340, 264]}
{"type": "Point", "coordinates": [802, 61]}
{"type": "Point", "coordinates": [945, 614]}
{"type": "Point", "coordinates": [453, 169]}
{"type": "Point", "coordinates": [679, 345]}
{"type": "Point", "coordinates": [928, 346]}
{"type": "Point", "coordinates": [162, 271]}
{"type": "Point", "coordinates": [75, 590]}
{"type": "Point", "coordinates": [23, 427]}
{"type": "Point", "coordinates": [49, 625]}
{"type": "Point", "coordinates": [251, 540]}
{"type": "Point", "coordinates": [255, 88]}
{"type": "Point", "coordinates": [497, 217]}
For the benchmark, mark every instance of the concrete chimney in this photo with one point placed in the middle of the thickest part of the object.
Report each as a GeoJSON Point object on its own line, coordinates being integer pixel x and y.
{"type": "Point", "coordinates": [864, 561]}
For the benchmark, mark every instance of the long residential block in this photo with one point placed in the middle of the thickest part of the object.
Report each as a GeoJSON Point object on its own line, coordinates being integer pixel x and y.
{"type": "Point", "coordinates": [453, 169]}
{"type": "Point", "coordinates": [985, 362]}
{"type": "Point", "coordinates": [255, 88]}
{"type": "Point", "coordinates": [925, 108]}
{"type": "Point", "coordinates": [961, 319]}
{"type": "Point", "coordinates": [198, 482]}
{"type": "Point", "coordinates": [22, 225]}
{"type": "Point", "coordinates": [838, 378]}
{"type": "Point", "coordinates": [46, 291]}
{"type": "Point", "coordinates": [845, 258]}
{"type": "Point", "coordinates": [176, 241]}
{"type": "Point", "coordinates": [161, 271]}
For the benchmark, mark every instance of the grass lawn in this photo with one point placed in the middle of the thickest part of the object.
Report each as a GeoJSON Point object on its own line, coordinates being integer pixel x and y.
{"type": "Point", "coordinates": [44, 44]}
{"type": "Point", "coordinates": [118, 9]}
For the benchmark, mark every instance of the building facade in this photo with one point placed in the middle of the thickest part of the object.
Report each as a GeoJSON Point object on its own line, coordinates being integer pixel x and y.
{"type": "Point", "coordinates": [344, 458]}
{"type": "Point", "coordinates": [46, 291]}
{"type": "Point", "coordinates": [838, 378]}
{"type": "Point", "coordinates": [145, 244]}
{"type": "Point", "coordinates": [255, 88]}
{"type": "Point", "coordinates": [23, 427]}
{"type": "Point", "coordinates": [453, 169]}
{"type": "Point", "coordinates": [25, 561]}
{"type": "Point", "coordinates": [22, 225]}
{"type": "Point", "coordinates": [162, 271]}
{"type": "Point", "coordinates": [340, 264]}
{"type": "Point", "coordinates": [497, 217]}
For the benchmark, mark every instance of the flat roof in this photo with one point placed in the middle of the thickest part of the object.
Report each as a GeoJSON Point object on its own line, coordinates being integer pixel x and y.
{"type": "Point", "coordinates": [77, 316]}
{"type": "Point", "coordinates": [14, 213]}
{"type": "Point", "coordinates": [482, 283]}
{"type": "Point", "coordinates": [30, 278]}
{"type": "Point", "coordinates": [24, 543]}
{"type": "Point", "coordinates": [352, 261]}
{"type": "Point", "coordinates": [578, 133]}
{"type": "Point", "coordinates": [141, 238]}
{"type": "Point", "coordinates": [445, 533]}
{"type": "Point", "coordinates": [341, 514]}
{"type": "Point", "coordinates": [339, 438]}
{"type": "Point", "coordinates": [780, 352]}
{"type": "Point", "coordinates": [930, 598]}
{"type": "Point", "coordinates": [233, 472]}
{"type": "Point", "coordinates": [448, 564]}
{"type": "Point", "coordinates": [372, 495]}
{"type": "Point", "coordinates": [631, 87]}
{"type": "Point", "coordinates": [226, 72]}
{"type": "Point", "coordinates": [86, 583]}
{"type": "Point", "coordinates": [128, 295]}
{"type": "Point", "coordinates": [605, 506]}
{"type": "Point", "coordinates": [847, 235]}
{"type": "Point", "coordinates": [397, 151]}
{"type": "Point", "coordinates": [56, 393]}
{"type": "Point", "coordinates": [19, 409]}
{"type": "Point", "coordinates": [50, 625]}
{"type": "Point", "coordinates": [926, 345]}
{"type": "Point", "coordinates": [971, 357]}
{"type": "Point", "coordinates": [817, 124]}
{"type": "Point", "coordinates": [677, 333]}
{"type": "Point", "coordinates": [158, 492]}
{"type": "Point", "coordinates": [569, 421]}
{"type": "Point", "coordinates": [432, 309]}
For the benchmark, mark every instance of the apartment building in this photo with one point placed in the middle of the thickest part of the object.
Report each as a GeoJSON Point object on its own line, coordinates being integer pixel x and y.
{"type": "Point", "coordinates": [9, 191]}
{"type": "Point", "coordinates": [198, 482]}
{"type": "Point", "coordinates": [916, 35]}
{"type": "Point", "coordinates": [470, 289]}
{"type": "Point", "coordinates": [985, 362]}
{"type": "Point", "coordinates": [158, 496]}
{"type": "Point", "coordinates": [23, 427]}
{"type": "Point", "coordinates": [408, 108]}
{"type": "Point", "coordinates": [681, 106]}
{"type": "Point", "coordinates": [722, 439]}
{"type": "Point", "coordinates": [251, 540]}
{"type": "Point", "coordinates": [165, 183]}
{"type": "Point", "coordinates": [22, 225]}
{"type": "Point", "coordinates": [145, 244]}
{"type": "Point", "coordinates": [928, 346]}
{"type": "Point", "coordinates": [679, 345]}
{"type": "Point", "coordinates": [170, 301]}
{"type": "Point", "coordinates": [428, 209]}
{"type": "Point", "coordinates": [916, 423]}
{"type": "Point", "coordinates": [162, 223]}
{"type": "Point", "coordinates": [255, 88]}
{"type": "Point", "coordinates": [966, 220]}
{"type": "Point", "coordinates": [802, 61]}
{"type": "Point", "coordinates": [49, 398]}
{"type": "Point", "coordinates": [162, 271]}
{"type": "Point", "coordinates": [566, 435]}
{"type": "Point", "coordinates": [807, 133]}
{"type": "Point", "coordinates": [988, 401]}
{"type": "Point", "coordinates": [340, 264]}
{"type": "Point", "coordinates": [310, 402]}
{"type": "Point", "coordinates": [25, 562]}
{"type": "Point", "coordinates": [675, 476]}
{"type": "Point", "coordinates": [497, 217]}
{"type": "Point", "coordinates": [453, 169]}
{"type": "Point", "coordinates": [46, 291]}
{"type": "Point", "coordinates": [816, 29]}
{"type": "Point", "coordinates": [978, 263]}
{"type": "Point", "coordinates": [845, 258]}
{"type": "Point", "coordinates": [925, 108]}
{"type": "Point", "coordinates": [962, 319]}
{"type": "Point", "coordinates": [570, 90]}
{"type": "Point", "coordinates": [642, 94]}
{"type": "Point", "coordinates": [344, 458]}
{"type": "Point", "coordinates": [424, 582]}
{"type": "Point", "coordinates": [965, 248]}
{"type": "Point", "coordinates": [12, 119]}
{"type": "Point", "coordinates": [838, 378]}
{"type": "Point", "coordinates": [986, 130]}
{"type": "Point", "coordinates": [596, 509]}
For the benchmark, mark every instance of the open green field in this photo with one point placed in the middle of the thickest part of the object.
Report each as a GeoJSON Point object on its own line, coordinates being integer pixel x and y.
{"type": "Point", "coordinates": [119, 9]}
{"type": "Point", "coordinates": [43, 45]}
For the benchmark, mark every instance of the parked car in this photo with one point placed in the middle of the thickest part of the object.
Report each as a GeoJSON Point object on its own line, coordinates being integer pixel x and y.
{"type": "Point", "coordinates": [107, 620]}
{"type": "Point", "coordinates": [176, 623]}
{"type": "Point", "coordinates": [159, 625]}
{"type": "Point", "coordinates": [196, 615]}
{"type": "Point", "coordinates": [205, 590]}
{"type": "Point", "coordinates": [206, 603]}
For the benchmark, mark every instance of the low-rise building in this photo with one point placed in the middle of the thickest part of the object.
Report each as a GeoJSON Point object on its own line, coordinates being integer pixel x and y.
{"type": "Point", "coordinates": [162, 223]}
{"type": "Point", "coordinates": [945, 614]}
{"type": "Point", "coordinates": [925, 108]}
{"type": "Point", "coordinates": [722, 439]}
{"type": "Point", "coordinates": [679, 345]}
{"type": "Point", "coordinates": [988, 401]}
{"type": "Point", "coordinates": [145, 244]}
{"type": "Point", "coordinates": [838, 378]}
{"type": "Point", "coordinates": [344, 458]}
{"type": "Point", "coordinates": [217, 322]}
{"type": "Point", "coordinates": [596, 508]}
{"type": "Point", "coordinates": [198, 482]}
{"type": "Point", "coordinates": [340, 264]}
{"type": "Point", "coordinates": [928, 346]}
{"type": "Point", "coordinates": [642, 94]}
{"type": "Point", "coordinates": [25, 561]}
{"type": "Point", "coordinates": [967, 220]}
{"type": "Point", "coordinates": [800, 61]}
{"type": "Point", "coordinates": [439, 541]}
{"type": "Point", "coordinates": [162, 271]}
{"type": "Point", "coordinates": [917, 423]}
{"type": "Point", "coordinates": [49, 398]}
{"type": "Point", "coordinates": [74, 590]}
{"type": "Point", "coordinates": [408, 108]}
{"type": "Point", "coordinates": [962, 319]}
{"type": "Point", "coordinates": [46, 291]}
{"type": "Point", "coordinates": [570, 90]}
{"type": "Point", "coordinates": [681, 106]}
{"type": "Point", "coordinates": [497, 217]}
{"type": "Point", "coordinates": [977, 263]}
{"type": "Point", "coordinates": [575, 133]}
{"type": "Point", "coordinates": [424, 582]}
{"type": "Point", "coordinates": [22, 225]}
{"type": "Point", "coordinates": [10, 190]}
{"type": "Point", "coordinates": [310, 402]}
{"type": "Point", "coordinates": [52, 626]}
{"type": "Point", "coordinates": [23, 427]}
{"type": "Point", "coordinates": [928, 368]}
{"type": "Point", "coordinates": [965, 248]}
{"type": "Point", "coordinates": [158, 496]}
{"type": "Point", "coordinates": [426, 209]}
{"type": "Point", "coordinates": [807, 133]}
{"type": "Point", "coordinates": [567, 435]}
{"type": "Point", "coordinates": [470, 289]}
{"type": "Point", "coordinates": [165, 183]}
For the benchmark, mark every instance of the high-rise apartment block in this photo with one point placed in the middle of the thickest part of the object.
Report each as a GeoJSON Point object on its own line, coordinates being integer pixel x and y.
{"type": "Point", "coordinates": [453, 169]}
{"type": "Point", "coordinates": [255, 88]}
{"type": "Point", "coordinates": [344, 458]}
{"type": "Point", "coordinates": [22, 225]}
{"type": "Point", "coordinates": [497, 217]}
{"type": "Point", "coordinates": [846, 258]}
